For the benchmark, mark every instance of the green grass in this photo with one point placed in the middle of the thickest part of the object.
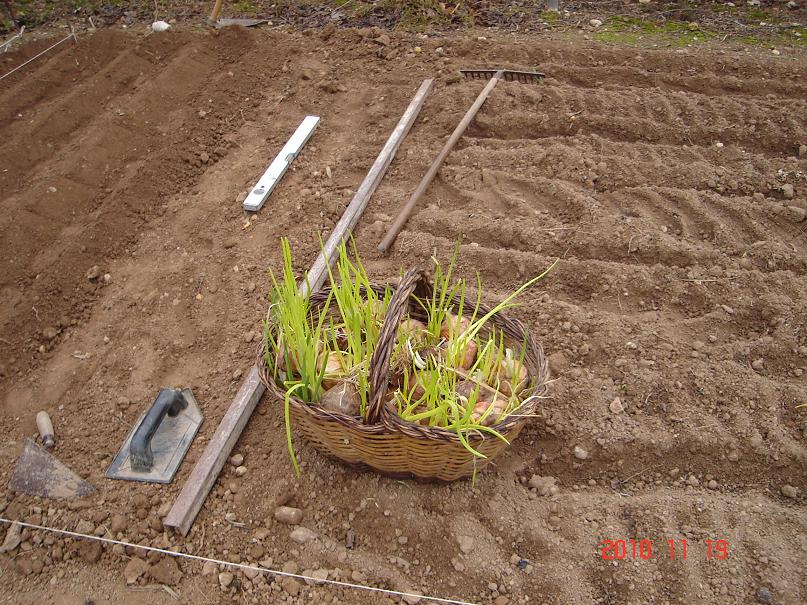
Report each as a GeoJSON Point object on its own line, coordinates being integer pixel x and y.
{"type": "Point", "coordinates": [632, 31]}
{"type": "Point", "coordinates": [796, 36]}
{"type": "Point", "coordinates": [244, 7]}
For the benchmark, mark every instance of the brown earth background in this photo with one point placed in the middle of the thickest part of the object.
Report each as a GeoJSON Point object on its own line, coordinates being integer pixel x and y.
{"type": "Point", "coordinates": [669, 181]}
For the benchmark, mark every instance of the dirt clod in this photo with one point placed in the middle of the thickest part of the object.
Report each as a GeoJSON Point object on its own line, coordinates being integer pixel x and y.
{"type": "Point", "coordinates": [301, 535]}
{"type": "Point", "coordinates": [166, 571]}
{"type": "Point", "coordinates": [135, 568]}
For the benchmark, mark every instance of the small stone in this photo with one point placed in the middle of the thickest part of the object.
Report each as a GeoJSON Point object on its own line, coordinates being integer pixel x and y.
{"type": "Point", "coordinates": [134, 569]}
{"type": "Point", "coordinates": [84, 527]}
{"type": "Point", "coordinates": [358, 576]}
{"type": "Point", "coordinates": [225, 579]}
{"type": "Point", "coordinates": [788, 491]}
{"type": "Point", "coordinates": [90, 552]}
{"type": "Point", "coordinates": [466, 544]}
{"type": "Point", "coordinates": [802, 150]}
{"type": "Point", "coordinates": [12, 539]}
{"type": "Point", "coordinates": [24, 567]}
{"type": "Point", "coordinates": [788, 191]}
{"type": "Point", "coordinates": [764, 595]}
{"type": "Point", "coordinates": [501, 600]}
{"type": "Point", "coordinates": [249, 336]}
{"type": "Point", "coordinates": [693, 481]}
{"type": "Point", "coordinates": [712, 484]}
{"type": "Point", "coordinates": [237, 459]}
{"type": "Point", "coordinates": [241, 471]}
{"type": "Point", "coordinates": [289, 515]}
{"type": "Point", "coordinates": [796, 214]}
{"type": "Point", "coordinates": [107, 278]}
{"type": "Point", "coordinates": [93, 273]}
{"type": "Point", "coordinates": [320, 574]}
{"type": "Point", "coordinates": [595, 23]}
{"type": "Point", "coordinates": [166, 572]}
{"type": "Point", "coordinates": [237, 374]}
{"type": "Point", "coordinates": [758, 364]}
{"type": "Point", "coordinates": [290, 586]}
{"type": "Point", "coordinates": [230, 517]}
{"type": "Point", "coordinates": [580, 453]}
{"type": "Point", "coordinates": [733, 456]}
{"type": "Point", "coordinates": [542, 485]}
{"type": "Point", "coordinates": [616, 406]}
{"type": "Point", "coordinates": [251, 287]}
{"type": "Point", "coordinates": [383, 40]}
{"type": "Point", "coordinates": [301, 535]}
{"type": "Point", "coordinates": [209, 568]}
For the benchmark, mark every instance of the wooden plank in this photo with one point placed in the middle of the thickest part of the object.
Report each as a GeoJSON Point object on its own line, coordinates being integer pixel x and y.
{"type": "Point", "coordinates": [207, 469]}
{"type": "Point", "coordinates": [266, 184]}
{"type": "Point", "coordinates": [318, 272]}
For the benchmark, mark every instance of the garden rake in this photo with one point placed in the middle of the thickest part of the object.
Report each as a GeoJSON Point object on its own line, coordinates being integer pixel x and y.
{"type": "Point", "coordinates": [494, 75]}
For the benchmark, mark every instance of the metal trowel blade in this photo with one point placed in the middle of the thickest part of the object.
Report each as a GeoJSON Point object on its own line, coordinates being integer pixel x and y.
{"type": "Point", "coordinates": [39, 473]}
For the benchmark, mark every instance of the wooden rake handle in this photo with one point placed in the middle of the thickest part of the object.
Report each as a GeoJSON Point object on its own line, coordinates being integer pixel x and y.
{"type": "Point", "coordinates": [427, 179]}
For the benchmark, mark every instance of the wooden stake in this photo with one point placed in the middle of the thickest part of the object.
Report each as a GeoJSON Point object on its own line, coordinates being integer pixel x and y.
{"type": "Point", "coordinates": [207, 469]}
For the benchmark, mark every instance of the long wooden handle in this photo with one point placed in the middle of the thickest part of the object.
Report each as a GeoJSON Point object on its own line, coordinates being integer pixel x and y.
{"type": "Point", "coordinates": [319, 271]}
{"type": "Point", "coordinates": [214, 16]}
{"type": "Point", "coordinates": [427, 179]}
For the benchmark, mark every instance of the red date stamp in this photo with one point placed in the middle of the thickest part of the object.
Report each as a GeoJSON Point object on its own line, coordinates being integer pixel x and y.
{"type": "Point", "coordinates": [675, 550]}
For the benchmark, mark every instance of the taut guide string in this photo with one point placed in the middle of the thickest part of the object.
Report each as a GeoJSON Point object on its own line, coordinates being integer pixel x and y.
{"type": "Point", "coordinates": [72, 34]}
{"type": "Point", "coordinates": [275, 572]}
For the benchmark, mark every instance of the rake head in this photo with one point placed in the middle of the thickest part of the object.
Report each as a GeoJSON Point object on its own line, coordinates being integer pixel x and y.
{"type": "Point", "coordinates": [509, 75]}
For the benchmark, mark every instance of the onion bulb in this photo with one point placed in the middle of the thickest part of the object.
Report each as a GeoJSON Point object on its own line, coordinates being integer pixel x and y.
{"type": "Point", "coordinates": [342, 399]}
{"type": "Point", "coordinates": [333, 371]}
{"type": "Point", "coordinates": [454, 325]}
{"type": "Point", "coordinates": [497, 407]}
{"type": "Point", "coordinates": [512, 374]}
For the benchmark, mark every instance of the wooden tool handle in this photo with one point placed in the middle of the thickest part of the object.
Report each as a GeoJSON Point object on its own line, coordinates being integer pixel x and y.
{"type": "Point", "coordinates": [45, 428]}
{"type": "Point", "coordinates": [427, 179]}
{"type": "Point", "coordinates": [214, 15]}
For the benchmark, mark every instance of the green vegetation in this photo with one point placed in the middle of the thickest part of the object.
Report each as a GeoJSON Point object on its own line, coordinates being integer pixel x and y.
{"type": "Point", "coordinates": [245, 7]}
{"type": "Point", "coordinates": [630, 30]}
{"type": "Point", "coordinates": [456, 371]}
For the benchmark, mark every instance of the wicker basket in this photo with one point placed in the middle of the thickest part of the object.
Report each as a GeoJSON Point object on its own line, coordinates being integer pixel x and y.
{"type": "Point", "coordinates": [382, 440]}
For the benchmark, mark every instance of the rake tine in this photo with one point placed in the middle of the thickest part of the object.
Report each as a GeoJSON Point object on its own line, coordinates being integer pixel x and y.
{"type": "Point", "coordinates": [509, 75]}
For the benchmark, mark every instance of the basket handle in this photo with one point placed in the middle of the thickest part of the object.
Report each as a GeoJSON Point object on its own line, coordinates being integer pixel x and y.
{"type": "Point", "coordinates": [379, 363]}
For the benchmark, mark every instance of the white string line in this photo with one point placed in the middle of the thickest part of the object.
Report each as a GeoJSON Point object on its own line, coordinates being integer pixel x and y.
{"type": "Point", "coordinates": [71, 35]}
{"type": "Point", "coordinates": [171, 553]}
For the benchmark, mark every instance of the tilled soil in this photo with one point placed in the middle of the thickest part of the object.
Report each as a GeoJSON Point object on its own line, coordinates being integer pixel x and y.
{"type": "Point", "coordinates": [669, 183]}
